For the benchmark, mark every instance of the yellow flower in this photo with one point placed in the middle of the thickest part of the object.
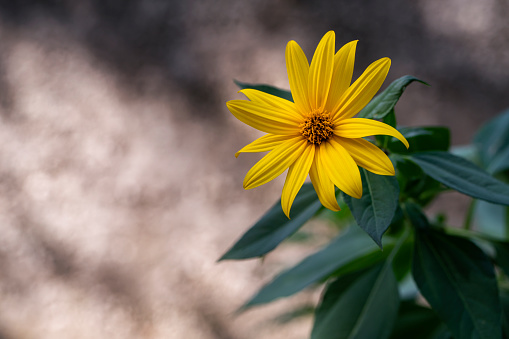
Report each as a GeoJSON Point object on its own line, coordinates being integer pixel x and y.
{"type": "Point", "coordinates": [317, 133]}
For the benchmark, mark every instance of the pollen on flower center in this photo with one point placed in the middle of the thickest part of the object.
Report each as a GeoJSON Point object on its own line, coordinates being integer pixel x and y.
{"type": "Point", "coordinates": [317, 127]}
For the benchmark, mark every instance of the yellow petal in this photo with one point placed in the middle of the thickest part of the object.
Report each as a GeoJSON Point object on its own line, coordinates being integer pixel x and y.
{"type": "Point", "coordinates": [362, 90]}
{"type": "Point", "coordinates": [342, 75]}
{"type": "Point", "coordinates": [297, 173]}
{"type": "Point", "coordinates": [359, 128]}
{"type": "Point", "coordinates": [323, 185]}
{"type": "Point", "coordinates": [272, 101]}
{"type": "Point", "coordinates": [341, 168]}
{"type": "Point", "coordinates": [275, 163]}
{"type": "Point", "coordinates": [320, 71]}
{"type": "Point", "coordinates": [367, 155]}
{"type": "Point", "coordinates": [264, 118]}
{"type": "Point", "coordinates": [266, 143]}
{"type": "Point", "coordinates": [297, 66]}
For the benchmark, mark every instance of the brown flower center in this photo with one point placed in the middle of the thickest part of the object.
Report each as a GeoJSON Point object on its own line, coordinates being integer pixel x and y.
{"type": "Point", "coordinates": [317, 127]}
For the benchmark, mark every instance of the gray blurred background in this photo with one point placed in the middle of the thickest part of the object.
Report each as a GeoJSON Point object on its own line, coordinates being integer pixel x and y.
{"type": "Point", "coordinates": [119, 188]}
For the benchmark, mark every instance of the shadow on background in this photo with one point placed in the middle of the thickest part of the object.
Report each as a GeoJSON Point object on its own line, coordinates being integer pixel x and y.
{"type": "Point", "coordinates": [133, 35]}
{"type": "Point", "coordinates": [183, 55]}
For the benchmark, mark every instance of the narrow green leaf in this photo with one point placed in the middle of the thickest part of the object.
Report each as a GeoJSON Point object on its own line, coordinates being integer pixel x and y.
{"type": "Point", "coordinates": [375, 210]}
{"type": "Point", "coordinates": [462, 175]}
{"type": "Point", "coordinates": [267, 89]}
{"type": "Point", "coordinates": [421, 139]}
{"type": "Point", "coordinates": [492, 138]}
{"type": "Point", "coordinates": [341, 251]}
{"type": "Point", "coordinates": [274, 226]}
{"type": "Point", "coordinates": [415, 322]}
{"type": "Point", "coordinates": [458, 281]}
{"type": "Point", "coordinates": [384, 102]}
{"type": "Point", "coordinates": [362, 306]}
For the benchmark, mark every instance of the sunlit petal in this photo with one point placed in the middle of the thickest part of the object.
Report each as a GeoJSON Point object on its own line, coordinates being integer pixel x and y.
{"type": "Point", "coordinates": [296, 176]}
{"type": "Point", "coordinates": [264, 118]}
{"type": "Point", "coordinates": [341, 168]}
{"type": "Point", "coordinates": [266, 143]}
{"type": "Point", "coordinates": [275, 163]}
{"type": "Point", "coordinates": [272, 101]}
{"type": "Point", "coordinates": [320, 71]}
{"type": "Point", "coordinates": [342, 74]}
{"type": "Point", "coordinates": [362, 90]}
{"type": "Point", "coordinates": [367, 155]}
{"type": "Point", "coordinates": [359, 128]}
{"type": "Point", "coordinates": [297, 66]}
{"type": "Point", "coordinates": [323, 185]}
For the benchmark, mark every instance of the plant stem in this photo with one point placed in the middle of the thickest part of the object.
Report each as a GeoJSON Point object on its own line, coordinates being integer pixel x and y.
{"type": "Point", "coordinates": [470, 215]}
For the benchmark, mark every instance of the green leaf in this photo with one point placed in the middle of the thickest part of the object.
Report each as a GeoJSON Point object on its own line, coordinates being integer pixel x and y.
{"type": "Point", "coordinates": [341, 251]}
{"type": "Point", "coordinates": [415, 215]}
{"type": "Point", "coordinates": [493, 138]}
{"type": "Point", "coordinates": [294, 314]}
{"type": "Point", "coordinates": [468, 152]}
{"type": "Point", "coordinates": [358, 306]}
{"type": "Point", "coordinates": [367, 260]}
{"type": "Point", "coordinates": [462, 175]}
{"type": "Point", "coordinates": [504, 301]}
{"type": "Point", "coordinates": [274, 226]}
{"type": "Point", "coordinates": [267, 89]}
{"type": "Point", "coordinates": [384, 102]}
{"type": "Point", "coordinates": [389, 119]}
{"type": "Point", "coordinates": [458, 281]}
{"type": "Point", "coordinates": [375, 210]}
{"type": "Point", "coordinates": [502, 255]}
{"type": "Point", "coordinates": [500, 162]}
{"type": "Point", "coordinates": [416, 322]}
{"type": "Point", "coordinates": [421, 139]}
{"type": "Point", "coordinates": [361, 304]}
{"type": "Point", "coordinates": [413, 183]}
{"type": "Point", "coordinates": [402, 262]}
{"type": "Point", "coordinates": [492, 219]}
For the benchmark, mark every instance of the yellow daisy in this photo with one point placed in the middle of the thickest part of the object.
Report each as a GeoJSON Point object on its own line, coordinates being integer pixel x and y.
{"type": "Point", "coordinates": [317, 133]}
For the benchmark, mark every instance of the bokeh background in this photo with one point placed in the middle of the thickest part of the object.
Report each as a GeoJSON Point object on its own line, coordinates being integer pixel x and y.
{"type": "Point", "coordinates": [118, 185]}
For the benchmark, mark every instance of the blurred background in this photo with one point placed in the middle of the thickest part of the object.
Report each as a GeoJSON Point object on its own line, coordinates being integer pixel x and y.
{"type": "Point", "coordinates": [119, 188]}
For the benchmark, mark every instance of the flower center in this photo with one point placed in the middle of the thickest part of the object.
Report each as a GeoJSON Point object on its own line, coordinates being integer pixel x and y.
{"type": "Point", "coordinates": [317, 127]}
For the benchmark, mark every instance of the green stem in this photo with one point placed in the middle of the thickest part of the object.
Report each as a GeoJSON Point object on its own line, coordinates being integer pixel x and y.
{"type": "Point", "coordinates": [470, 215]}
{"type": "Point", "coordinates": [399, 243]}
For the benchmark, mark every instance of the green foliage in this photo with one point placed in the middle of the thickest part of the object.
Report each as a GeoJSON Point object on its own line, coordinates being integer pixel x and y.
{"type": "Point", "coordinates": [375, 210]}
{"type": "Point", "coordinates": [341, 251]}
{"type": "Point", "coordinates": [384, 103]}
{"type": "Point", "coordinates": [458, 280]}
{"type": "Point", "coordinates": [421, 139]}
{"type": "Point", "coordinates": [461, 273]}
{"type": "Point", "coordinates": [358, 305]}
{"type": "Point", "coordinates": [417, 322]}
{"type": "Point", "coordinates": [462, 175]}
{"type": "Point", "coordinates": [275, 226]}
{"type": "Point", "coordinates": [492, 142]}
